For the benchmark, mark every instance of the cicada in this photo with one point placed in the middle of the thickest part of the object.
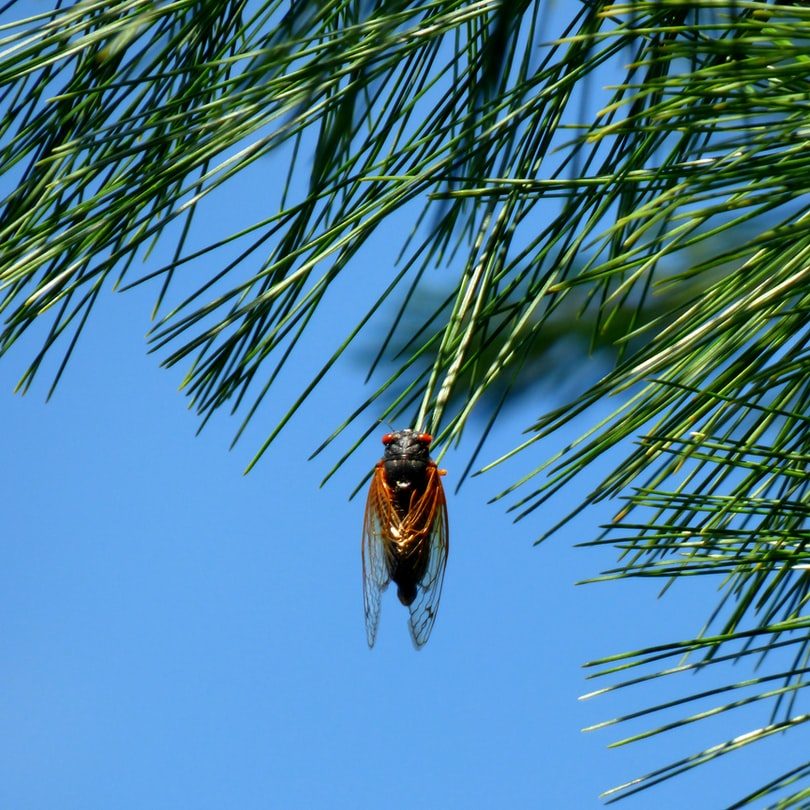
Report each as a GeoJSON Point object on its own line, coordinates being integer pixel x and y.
{"type": "Point", "coordinates": [405, 533]}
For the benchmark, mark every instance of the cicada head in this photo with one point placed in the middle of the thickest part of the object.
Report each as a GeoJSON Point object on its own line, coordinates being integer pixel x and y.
{"type": "Point", "coordinates": [407, 444]}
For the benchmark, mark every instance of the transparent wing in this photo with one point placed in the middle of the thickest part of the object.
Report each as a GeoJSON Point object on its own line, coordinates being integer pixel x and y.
{"type": "Point", "coordinates": [375, 550]}
{"type": "Point", "coordinates": [430, 516]}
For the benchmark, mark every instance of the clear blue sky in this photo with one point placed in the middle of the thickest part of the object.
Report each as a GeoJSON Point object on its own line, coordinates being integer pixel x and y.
{"type": "Point", "coordinates": [176, 635]}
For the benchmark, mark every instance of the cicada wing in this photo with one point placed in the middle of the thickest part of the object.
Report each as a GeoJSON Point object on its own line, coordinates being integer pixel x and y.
{"type": "Point", "coordinates": [376, 575]}
{"type": "Point", "coordinates": [431, 513]}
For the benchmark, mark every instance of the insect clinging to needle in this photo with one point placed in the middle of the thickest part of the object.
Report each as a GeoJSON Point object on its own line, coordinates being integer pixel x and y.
{"type": "Point", "coordinates": [405, 533]}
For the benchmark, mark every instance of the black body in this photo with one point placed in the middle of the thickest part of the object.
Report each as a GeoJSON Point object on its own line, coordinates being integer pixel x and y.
{"type": "Point", "coordinates": [406, 462]}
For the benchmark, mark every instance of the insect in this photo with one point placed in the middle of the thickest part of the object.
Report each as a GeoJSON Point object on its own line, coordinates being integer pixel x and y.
{"type": "Point", "coordinates": [405, 533]}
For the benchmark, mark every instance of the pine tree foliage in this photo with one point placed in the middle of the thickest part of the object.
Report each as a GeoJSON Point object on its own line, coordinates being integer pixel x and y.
{"type": "Point", "coordinates": [566, 159]}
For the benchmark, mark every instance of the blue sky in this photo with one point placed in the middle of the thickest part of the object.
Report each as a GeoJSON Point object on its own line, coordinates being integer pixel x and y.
{"type": "Point", "coordinates": [175, 634]}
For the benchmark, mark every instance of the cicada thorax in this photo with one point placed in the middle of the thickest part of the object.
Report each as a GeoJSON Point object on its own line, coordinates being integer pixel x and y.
{"type": "Point", "coordinates": [407, 480]}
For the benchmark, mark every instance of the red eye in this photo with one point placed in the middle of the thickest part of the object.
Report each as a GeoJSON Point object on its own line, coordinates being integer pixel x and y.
{"type": "Point", "coordinates": [425, 437]}
{"type": "Point", "coordinates": [388, 438]}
